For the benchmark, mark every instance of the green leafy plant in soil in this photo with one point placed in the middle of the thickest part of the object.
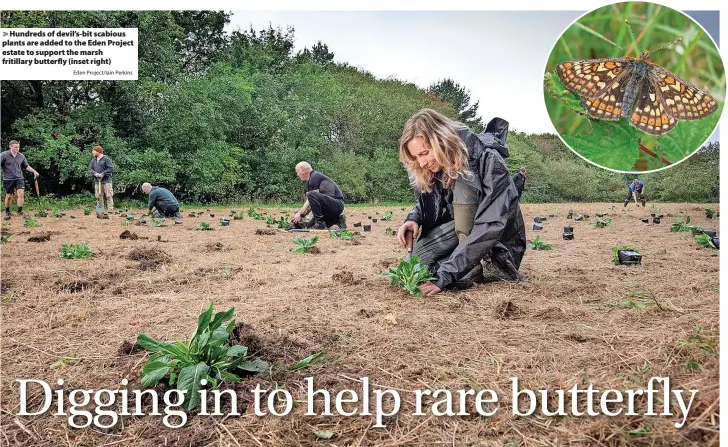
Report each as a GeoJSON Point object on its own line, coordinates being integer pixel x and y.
{"type": "Point", "coordinates": [709, 213]}
{"type": "Point", "coordinates": [158, 222]}
{"type": "Point", "coordinates": [680, 226]}
{"type": "Point", "coordinates": [5, 237]}
{"type": "Point", "coordinates": [601, 222]}
{"type": "Point", "coordinates": [203, 226]}
{"type": "Point", "coordinates": [389, 231]}
{"type": "Point", "coordinates": [238, 216]}
{"type": "Point", "coordinates": [345, 235]}
{"type": "Point", "coordinates": [305, 245]}
{"type": "Point", "coordinates": [57, 213]}
{"type": "Point", "coordinates": [409, 275]}
{"type": "Point", "coordinates": [31, 223]}
{"type": "Point", "coordinates": [207, 355]}
{"type": "Point", "coordinates": [78, 251]}
{"type": "Point", "coordinates": [615, 252]}
{"type": "Point", "coordinates": [704, 241]}
{"type": "Point", "coordinates": [387, 216]}
{"type": "Point", "coordinates": [538, 244]}
{"type": "Point", "coordinates": [284, 223]}
{"type": "Point", "coordinates": [87, 211]}
{"type": "Point", "coordinates": [41, 214]}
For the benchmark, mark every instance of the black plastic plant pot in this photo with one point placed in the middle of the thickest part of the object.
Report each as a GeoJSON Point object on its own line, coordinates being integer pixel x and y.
{"type": "Point", "coordinates": [579, 218]}
{"type": "Point", "coordinates": [568, 229]}
{"type": "Point", "coordinates": [130, 218]}
{"type": "Point", "coordinates": [357, 224]}
{"type": "Point", "coordinates": [367, 228]}
{"type": "Point", "coordinates": [655, 220]}
{"type": "Point", "coordinates": [568, 236]}
{"type": "Point", "coordinates": [551, 215]}
{"type": "Point", "coordinates": [212, 215]}
{"type": "Point", "coordinates": [653, 214]}
{"type": "Point", "coordinates": [716, 242]}
{"type": "Point", "coordinates": [711, 234]}
{"type": "Point", "coordinates": [537, 227]}
{"type": "Point", "coordinates": [369, 217]}
{"type": "Point", "coordinates": [645, 220]}
{"type": "Point", "coordinates": [225, 223]}
{"type": "Point", "coordinates": [374, 220]}
{"type": "Point", "coordinates": [628, 257]}
{"type": "Point", "coordinates": [643, 203]}
{"type": "Point", "coordinates": [537, 219]}
{"type": "Point", "coordinates": [570, 215]}
{"type": "Point", "coordinates": [544, 218]}
{"type": "Point", "coordinates": [599, 215]}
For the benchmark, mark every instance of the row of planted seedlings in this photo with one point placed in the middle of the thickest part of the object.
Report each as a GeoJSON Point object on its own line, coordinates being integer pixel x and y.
{"type": "Point", "coordinates": [623, 255]}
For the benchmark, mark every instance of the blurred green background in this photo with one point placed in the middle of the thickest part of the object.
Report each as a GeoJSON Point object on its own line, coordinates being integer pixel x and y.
{"type": "Point", "coordinates": [695, 59]}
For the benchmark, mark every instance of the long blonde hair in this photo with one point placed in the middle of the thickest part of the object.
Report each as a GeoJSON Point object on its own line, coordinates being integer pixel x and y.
{"type": "Point", "coordinates": [441, 133]}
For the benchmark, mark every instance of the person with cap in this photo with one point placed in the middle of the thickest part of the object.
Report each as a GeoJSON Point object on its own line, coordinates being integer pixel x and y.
{"type": "Point", "coordinates": [13, 163]}
{"type": "Point", "coordinates": [324, 200]}
{"type": "Point", "coordinates": [101, 168]}
{"type": "Point", "coordinates": [636, 192]}
{"type": "Point", "coordinates": [467, 220]}
{"type": "Point", "coordinates": [162, 200]}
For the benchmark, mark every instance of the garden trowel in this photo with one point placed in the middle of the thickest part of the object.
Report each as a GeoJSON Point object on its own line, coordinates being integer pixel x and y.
{"type": "Point", "coordinates": [409, 239]}
{"type": "Point", "coordinates": [100, 203]}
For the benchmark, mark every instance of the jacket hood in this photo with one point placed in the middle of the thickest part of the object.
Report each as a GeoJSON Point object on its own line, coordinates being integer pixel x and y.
{"type": "Point", "coordinates": [495, 135]}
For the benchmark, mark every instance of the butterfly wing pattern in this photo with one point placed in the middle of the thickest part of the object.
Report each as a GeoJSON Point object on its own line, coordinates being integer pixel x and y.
{"type": "Point", "coordinates": [660, 99]}
{"type": "Point", "coordinates": [649, 114]}
{"type": "Point", "coordinates": [681, 99]}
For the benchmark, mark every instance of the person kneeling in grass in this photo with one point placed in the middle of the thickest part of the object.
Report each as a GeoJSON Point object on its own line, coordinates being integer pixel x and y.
{"type": "Point", "coordinates": [467, 219]}
{"type": "Point", "coordinates": [162, 200]}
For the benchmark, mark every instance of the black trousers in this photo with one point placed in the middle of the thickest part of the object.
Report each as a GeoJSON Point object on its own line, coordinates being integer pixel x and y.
{"type": "Point", "coordinates": [325, 207]}
{"type": "Point", "coordinates": [165, 209]}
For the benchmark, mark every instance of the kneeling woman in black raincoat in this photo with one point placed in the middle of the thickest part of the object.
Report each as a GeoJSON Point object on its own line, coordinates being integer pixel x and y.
{"type": "Point", "coordinates": [467, 219]}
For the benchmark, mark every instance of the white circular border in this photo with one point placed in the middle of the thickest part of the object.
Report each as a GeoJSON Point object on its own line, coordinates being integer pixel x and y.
{"type": "Point", "coordinates": [616, 170]}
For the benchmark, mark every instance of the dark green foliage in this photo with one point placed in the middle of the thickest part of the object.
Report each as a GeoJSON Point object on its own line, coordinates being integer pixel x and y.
{"type": "Point", "coordinates": [409, 275]}
{"type": "Point", "coordinates": [79, 251]}
{"type": "Point", "coordinates": [207, 355]}
{"type": "Point", "coordinates": [226, 118]}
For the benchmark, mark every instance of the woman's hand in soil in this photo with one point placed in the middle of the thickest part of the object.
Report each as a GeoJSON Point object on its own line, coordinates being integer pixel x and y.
{"type": "Point", "coordinates": [297, 218]}
{"type": "Point", "coordinates": [429, 289]}
{"type": "Point", "coordinates": [410, 225]}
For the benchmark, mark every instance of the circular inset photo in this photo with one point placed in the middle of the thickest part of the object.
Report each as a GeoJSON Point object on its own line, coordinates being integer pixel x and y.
{"type": "Point", "coordinates": [635, 86]}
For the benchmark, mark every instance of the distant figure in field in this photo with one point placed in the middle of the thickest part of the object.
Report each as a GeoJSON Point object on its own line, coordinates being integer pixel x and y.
{"type": "Point", "coordinates": [101, 169]}
{"type": "Point", "coordinates": [13, 163]}
{"type": "Point", "coordinates": [162, 200]}
{"type": "Point", "coordinates": [323, 199]}
{"type": "Point", "coordinates": [636, 192]}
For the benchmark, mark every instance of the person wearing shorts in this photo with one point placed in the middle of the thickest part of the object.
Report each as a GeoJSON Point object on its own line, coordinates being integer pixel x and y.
{"type": "Point", "coordinates": [13, 163]}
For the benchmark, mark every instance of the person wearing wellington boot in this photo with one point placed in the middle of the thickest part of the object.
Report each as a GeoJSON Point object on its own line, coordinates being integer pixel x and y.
{"type": "Point", "coordinates": [467, 220]}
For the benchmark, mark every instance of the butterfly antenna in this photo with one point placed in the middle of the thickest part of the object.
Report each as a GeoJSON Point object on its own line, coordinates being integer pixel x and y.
{"type": "Point", "coordinates": [679, 39]}
{"type": "Point", "coordinates": [634, 37]}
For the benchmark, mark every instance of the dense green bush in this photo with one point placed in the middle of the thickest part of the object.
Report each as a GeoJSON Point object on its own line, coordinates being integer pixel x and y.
{"type": "Point", "coordinates": [227, 118]}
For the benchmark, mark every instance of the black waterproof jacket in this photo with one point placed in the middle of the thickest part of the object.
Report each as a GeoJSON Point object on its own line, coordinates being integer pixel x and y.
{"type": "Point", "coordinates": [498, 230]}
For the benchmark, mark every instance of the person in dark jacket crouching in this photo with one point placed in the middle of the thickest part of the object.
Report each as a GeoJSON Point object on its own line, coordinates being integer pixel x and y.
{"type": "Point", "coordinates": [467, 219]}
{"type": "Point", "coordinates": [162, 200]}
{"type": "Point", "coordinates": [324, 200]}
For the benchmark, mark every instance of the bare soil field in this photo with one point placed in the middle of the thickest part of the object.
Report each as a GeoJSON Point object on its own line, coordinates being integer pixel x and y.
{"type": "Point", "coordinates": [578, 319]}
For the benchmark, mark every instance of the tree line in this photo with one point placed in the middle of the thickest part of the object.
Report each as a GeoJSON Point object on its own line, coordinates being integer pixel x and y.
{"type": "Point", "coordinates": [218, 117]}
